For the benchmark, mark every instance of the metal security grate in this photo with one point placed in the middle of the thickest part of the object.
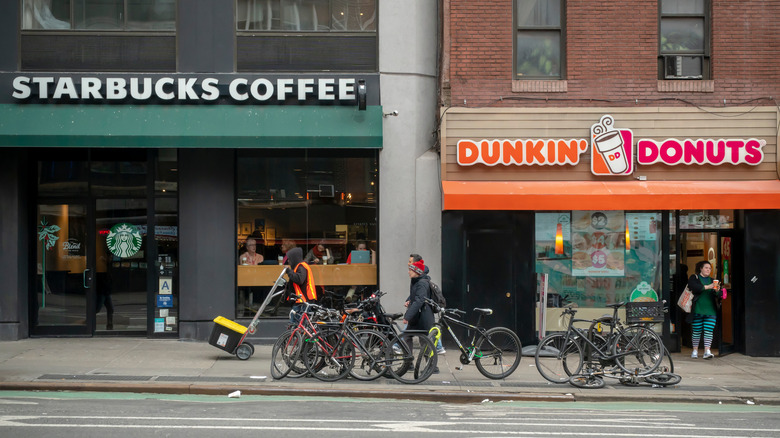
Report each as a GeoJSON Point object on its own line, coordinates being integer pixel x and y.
{"type": "Point", "coordinates": [93, 377]}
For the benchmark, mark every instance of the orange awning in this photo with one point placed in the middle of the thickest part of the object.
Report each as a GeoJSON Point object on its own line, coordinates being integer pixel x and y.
{"type": "Point", "coordinates": [610, 195]}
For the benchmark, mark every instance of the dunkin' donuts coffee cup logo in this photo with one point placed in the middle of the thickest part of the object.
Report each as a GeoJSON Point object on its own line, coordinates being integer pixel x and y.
{"type": "Point", "coordinates": [612, 150]}
{"type": "Point", "coordinates": [123, 240]}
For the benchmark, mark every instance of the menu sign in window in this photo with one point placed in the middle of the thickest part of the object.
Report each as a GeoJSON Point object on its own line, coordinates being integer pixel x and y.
{"type": "Point", "coordinates": [598, 243]}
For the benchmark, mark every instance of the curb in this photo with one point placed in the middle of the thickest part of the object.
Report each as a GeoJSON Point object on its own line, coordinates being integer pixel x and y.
{"type": "Point", "coordinates": [423, 395]}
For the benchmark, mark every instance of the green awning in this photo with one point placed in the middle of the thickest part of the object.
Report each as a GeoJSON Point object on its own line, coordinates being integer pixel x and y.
{"type": "Point", "coordinates": [190, 126]}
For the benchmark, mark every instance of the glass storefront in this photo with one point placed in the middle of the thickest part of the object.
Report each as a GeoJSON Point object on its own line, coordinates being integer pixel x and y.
{"type": "Point", "coordinates": [96, 266]}
{"type": "Point", "coordinates": [324, 202]}
{"type": "Point", "coordinates": [593, 258]}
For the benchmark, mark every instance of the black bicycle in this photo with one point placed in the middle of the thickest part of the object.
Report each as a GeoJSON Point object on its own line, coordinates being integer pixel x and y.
{"type": "Point", "coordinates": [496, 351]}
{"type": "Point", "coordinates": [583, 357]}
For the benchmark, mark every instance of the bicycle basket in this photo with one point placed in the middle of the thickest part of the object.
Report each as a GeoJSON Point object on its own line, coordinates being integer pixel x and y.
{"type": "Point", "coordinates": [644, 311]}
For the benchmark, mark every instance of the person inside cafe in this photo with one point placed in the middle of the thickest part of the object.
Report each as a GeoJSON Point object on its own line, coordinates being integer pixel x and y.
{"type": "Point", "coordinates": [250, 255]}
{"type": "Point", "coordinates": [362, 246]}
{"type": "Point", "coordinates": [318, 255]}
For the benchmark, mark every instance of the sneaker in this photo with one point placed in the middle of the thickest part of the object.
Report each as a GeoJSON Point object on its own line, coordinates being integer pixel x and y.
{"type": "Point", "coordinates": [708, 355]}
{"type": "Point", "coordinates": [441, 351]}
{"type": "Point", "coordinates": [694, 355]}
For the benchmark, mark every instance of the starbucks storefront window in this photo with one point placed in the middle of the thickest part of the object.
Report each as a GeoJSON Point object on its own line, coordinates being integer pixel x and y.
{"type": "Point", "coordinates": [593, 258]}
{"type": "Point", "coordinates": [324, 202]}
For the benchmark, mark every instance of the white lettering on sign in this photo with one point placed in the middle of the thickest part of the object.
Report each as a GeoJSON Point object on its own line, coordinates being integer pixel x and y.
{"type": "Point", "coordinates": [521, 152]}
{"type": "Point", "coordinates": [183, 88]}
{"type": "Point", "coordinates": [716, 152]}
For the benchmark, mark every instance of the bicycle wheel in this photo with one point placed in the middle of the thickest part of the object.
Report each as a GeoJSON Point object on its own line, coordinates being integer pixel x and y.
{"type": "Point", "coordinates": [556, 362]}
{"type": "Point", "coordinates": [328, 357]}
{"type": "Point", "coordinates": [370, 356]}
{"type": "Point", "coordinates": [412, 358]}
{"type": "Point", "coordinates": [638, 349]}
{"type": "Point", "coordinates": [398, 360]}
{"type": "Point", "coordinates": [664, 379]}
{"type": "Point", "coordinates": [498, 353]}
{"type": "Point", "coordinates": [282, 354]}
{"type": "Point", "coordinates": [586, 381]}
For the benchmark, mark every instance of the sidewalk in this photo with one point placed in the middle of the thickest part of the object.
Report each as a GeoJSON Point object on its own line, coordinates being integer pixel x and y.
{"type": "Point", "coordinates": [188, 367]}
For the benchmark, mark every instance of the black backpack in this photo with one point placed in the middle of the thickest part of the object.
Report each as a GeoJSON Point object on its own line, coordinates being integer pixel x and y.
{"type": "Point", "coordinates": [436, 294]}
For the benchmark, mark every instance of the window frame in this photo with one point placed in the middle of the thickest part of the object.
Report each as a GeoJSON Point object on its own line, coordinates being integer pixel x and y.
{"type": "Point", "coordinates": [705, 54]}
{"type": "Point", "coordinates": [561, 29]}
{"type": "Point", "coordinates": [123, 30]}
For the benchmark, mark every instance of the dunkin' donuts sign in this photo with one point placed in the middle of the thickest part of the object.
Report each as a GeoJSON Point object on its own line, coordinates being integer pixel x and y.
{"type": "Point", "coordinates": [612, 151]}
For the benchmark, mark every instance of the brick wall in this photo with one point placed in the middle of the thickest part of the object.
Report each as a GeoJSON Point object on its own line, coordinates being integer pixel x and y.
{"type": "Point", "coordinates": [612, 54]}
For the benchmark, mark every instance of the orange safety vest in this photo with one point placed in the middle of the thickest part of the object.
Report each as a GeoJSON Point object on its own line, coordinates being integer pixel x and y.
{"type": "Point", "coordinates": [311, 290]}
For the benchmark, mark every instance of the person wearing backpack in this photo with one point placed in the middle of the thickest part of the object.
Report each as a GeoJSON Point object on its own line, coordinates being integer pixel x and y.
{"type": "Point", "coordinates": [435, 294]}
{"type": "Point", "coordinates": [418, 316]}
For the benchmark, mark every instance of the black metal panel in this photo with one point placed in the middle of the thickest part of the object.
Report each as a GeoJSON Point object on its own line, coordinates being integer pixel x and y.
{"type": "Point", "coordinates": [85, 52]}
{"type": "Point", "coordinates": [762, 283]}
{"type": "Point", "coordinates": [205, 35]}
{"type": "Point", "coordinates": [9, 36]}
{"type": "Point", "coordinates": [207, 231]}
{"type": "Point", "coordinates": [307, 53]}
{"type": "Point", "coordinates": [14, 252]}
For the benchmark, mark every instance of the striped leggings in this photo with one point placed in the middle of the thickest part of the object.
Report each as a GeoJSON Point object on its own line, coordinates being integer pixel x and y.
{"type": "Point", "coordinates": [703, 326]}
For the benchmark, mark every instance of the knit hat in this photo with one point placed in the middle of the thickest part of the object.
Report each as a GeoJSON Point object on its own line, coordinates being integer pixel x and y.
{"type": "Point", "coordinates": [418, 267]}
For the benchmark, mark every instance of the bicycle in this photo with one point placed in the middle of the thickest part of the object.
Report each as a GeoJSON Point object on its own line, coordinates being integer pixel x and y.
{"type": "Point", "coordinates": [412, 355]}
{"type": "Point", "coordinates": [633, 350]}
{"type": "Point", "coordinates": [285, 353]}
{"type": "Point", "coordinates": [495, 351]}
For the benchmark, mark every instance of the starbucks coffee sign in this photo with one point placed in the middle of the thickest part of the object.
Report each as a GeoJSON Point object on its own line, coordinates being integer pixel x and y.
{"type": "Point", "coordinates": [124, 240]}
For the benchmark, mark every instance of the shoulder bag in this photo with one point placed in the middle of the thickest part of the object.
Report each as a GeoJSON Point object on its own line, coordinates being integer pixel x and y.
{"type": "Point", "coordinates": [686, 300]}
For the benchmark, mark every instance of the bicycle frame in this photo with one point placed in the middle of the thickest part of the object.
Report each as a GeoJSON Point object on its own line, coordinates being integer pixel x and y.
{"type": "Point", "coordinates": [447, 321]}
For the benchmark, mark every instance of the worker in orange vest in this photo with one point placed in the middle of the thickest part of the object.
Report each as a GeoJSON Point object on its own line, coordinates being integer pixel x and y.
{"type": "Point", "coordinates": [301, 283]}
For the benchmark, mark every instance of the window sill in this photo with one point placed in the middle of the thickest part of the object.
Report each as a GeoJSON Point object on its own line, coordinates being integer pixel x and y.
{"type": "Point", "coordinates": [540, 86]}
{"type": "Point", "coordinates": [692, 86]}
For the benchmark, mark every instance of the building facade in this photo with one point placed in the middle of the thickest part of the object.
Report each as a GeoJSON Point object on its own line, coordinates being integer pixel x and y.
{"type": "Point", "coordinates": [160, 156]}
{"type": "Point", "coordinates": [594, 153]}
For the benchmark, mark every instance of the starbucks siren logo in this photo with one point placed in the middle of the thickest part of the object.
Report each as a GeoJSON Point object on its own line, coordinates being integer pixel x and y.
{"type": "Point", "coordinates": [124, 240]}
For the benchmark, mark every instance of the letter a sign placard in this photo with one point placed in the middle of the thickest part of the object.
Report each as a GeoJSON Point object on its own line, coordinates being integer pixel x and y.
{"type": "Point", "coordinates": [166, 285]}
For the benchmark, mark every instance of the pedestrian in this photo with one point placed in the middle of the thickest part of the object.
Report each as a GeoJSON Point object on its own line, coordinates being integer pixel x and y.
{"type": "Point", "coordinates": [301, 283]}
{"type": "Point", "coordinates": [704, 308]}
{"type": "Point", "coordinates": [418, 316]}
{"type": "Point", "coordinates": [415, 258]}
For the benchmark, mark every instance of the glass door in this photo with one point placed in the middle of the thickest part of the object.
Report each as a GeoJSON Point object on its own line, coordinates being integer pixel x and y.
{"type": "Point", "coordinates": [120, 265]}
{"type": "Point", "coordinates": [61, 294]}
{"type": "Point", "coordinates": [728, 307]}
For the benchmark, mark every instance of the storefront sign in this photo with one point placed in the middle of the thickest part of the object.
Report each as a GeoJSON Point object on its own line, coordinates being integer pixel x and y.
{"type": "Point", "coordinates": [193, 89]}
{"type": "Point", "coordinates": [612, 151]}
{"type": "Point", "coordinates": [521, 152]}
{"type": "Point", "coordinates": [715, 152]}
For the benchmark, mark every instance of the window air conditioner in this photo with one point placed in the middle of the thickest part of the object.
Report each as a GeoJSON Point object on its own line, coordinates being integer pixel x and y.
{"type": "Point", "coordinates": [682, 67]}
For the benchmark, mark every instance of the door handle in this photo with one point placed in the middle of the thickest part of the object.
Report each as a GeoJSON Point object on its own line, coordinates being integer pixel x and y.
{"type": "Point", "coordinates": [84, 278]}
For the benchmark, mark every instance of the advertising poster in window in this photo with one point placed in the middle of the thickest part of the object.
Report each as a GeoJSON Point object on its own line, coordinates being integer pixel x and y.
{"type": "Point", "coordinates": [553, 242]}
{"type": "Point", "coordinates": [598, 241]}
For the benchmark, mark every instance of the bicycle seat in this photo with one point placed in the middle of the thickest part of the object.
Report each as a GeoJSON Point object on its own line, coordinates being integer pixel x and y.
{"type": "Point", "coordinates": [483, 311]}
{"type": "Point", "coordinates": [616, 305]}
{"type": "Point", "coordinates": [393, 316]}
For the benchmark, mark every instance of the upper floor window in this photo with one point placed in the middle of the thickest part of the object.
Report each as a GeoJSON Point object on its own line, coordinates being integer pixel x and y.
{"type": "Point", "coordinates": [99, 15]}
{"type": "Point", "coordinates": [307, 15]}
{"type": "Point", "coordinates": [684, 39]}
{"type": "Point", "coordinates": [539, 27]}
